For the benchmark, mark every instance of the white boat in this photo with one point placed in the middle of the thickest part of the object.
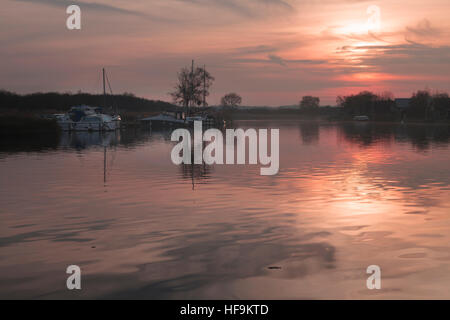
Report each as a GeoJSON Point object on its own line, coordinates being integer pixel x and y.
{"type": "Point", "coordinates": [361, 118]}
{"type": "Point", "coordinates": [86, 118]}
{"type": "Point", "coordinates": [177, 119]}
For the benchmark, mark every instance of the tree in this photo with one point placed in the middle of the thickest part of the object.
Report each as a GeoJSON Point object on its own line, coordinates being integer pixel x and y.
{"type": "Point", "coordinates": [362, 103]}
{"type": "Point", "coordinates": [384, 106]}
{"type": "Point", "coordinates": [309, 102]}
{"type": "Point", "coordinates": [192, 87]}
{"type": "Point", "coordinates": [441, 105]}
{"type": "Point", "coordinates": [231, 100]}
{"type": "Point", "coordinates": [420, 104]}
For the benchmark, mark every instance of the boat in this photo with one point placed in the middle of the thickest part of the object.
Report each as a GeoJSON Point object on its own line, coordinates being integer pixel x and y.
{"type": "Point", "coordinates": [87, 118]}
{"type": "Point", "coordinates": [177, 119]}
{"type": "Point", "coordinates": [166, 120]}
{"type": "Point", "coordinates": [361, 118]}
{"type": "Point", "coordinates": [180, 118]}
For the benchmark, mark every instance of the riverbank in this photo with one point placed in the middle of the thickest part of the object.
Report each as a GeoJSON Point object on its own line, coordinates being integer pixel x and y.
{"type": "Point", "coordinates": [25, 125]}
{"type": "Point", "coordinates": [17, 124]}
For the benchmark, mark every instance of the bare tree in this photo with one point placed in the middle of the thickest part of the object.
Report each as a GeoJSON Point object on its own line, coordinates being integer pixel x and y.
{"type": "Point", "coordinates": [231, 100]}
{"type": "Point", "coordinates": [192, 87]}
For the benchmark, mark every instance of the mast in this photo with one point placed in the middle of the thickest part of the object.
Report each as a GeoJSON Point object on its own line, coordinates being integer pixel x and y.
{"type": "Point", "coordinates": [104, 89]}
{"type": "Point", "coordinates": [204, 85]}
{"type": "Point", "coordinates": [192, 83]}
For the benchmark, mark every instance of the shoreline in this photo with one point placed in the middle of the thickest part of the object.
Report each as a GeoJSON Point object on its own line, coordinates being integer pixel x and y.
{"type": "Point", "coordinates": [28, 124]}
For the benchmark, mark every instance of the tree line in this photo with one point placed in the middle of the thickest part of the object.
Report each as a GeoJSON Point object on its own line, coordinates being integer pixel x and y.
{"type": "Point", "coordinates": [61, 102]}
{"type": "Point", "coordinates": [193, 87]}
{"type": "Point", "coordinates": [422, 105]}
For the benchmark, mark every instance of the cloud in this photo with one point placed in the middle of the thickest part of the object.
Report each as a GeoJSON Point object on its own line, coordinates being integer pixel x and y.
{"type": "Point", "coordinates": [248, 8]}
{"type": "Point", "coordinates": [275, 59]}
{"type": "Point", "coordinates": [424, 29]}
{"type": "Point", "coordinates": [90, 5]}
{"type": "Point", "coordinates": [400, 59]}
{"type": "Point", "coordinates": [256, 49]}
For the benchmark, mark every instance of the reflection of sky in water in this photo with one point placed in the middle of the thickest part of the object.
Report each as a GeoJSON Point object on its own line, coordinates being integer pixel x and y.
{"type": "Point", "coordinates": [347, 196]}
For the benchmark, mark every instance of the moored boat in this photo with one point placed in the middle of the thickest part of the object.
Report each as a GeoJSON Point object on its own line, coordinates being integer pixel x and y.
{"type": "Point", "coordinates": [86, 118]}
{"type": "Point", "coordinates": [361, 118]}
{"type": "Point", "coordinates": [177, 119]}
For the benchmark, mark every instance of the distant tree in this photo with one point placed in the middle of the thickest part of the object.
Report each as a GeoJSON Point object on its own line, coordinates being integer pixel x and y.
{"type": "Point", "coordinates": [384, 106]}
{"type": "Point", "coordinates": [340, 101]}
{"type": "Point", "coordinates": [192, 87]}
{"type": "Point", "coordinates": [231, 100]}
{"type": "Point", "coordinates": [309, 102]}
{"type": "Point", "coordinates": [385, 96]}
{"type": "Point", "coordinates": [420, 104]}
{"type": "Point", "coordinates": [441, 105]}
{"type": "Point", "coordinates": [362, 103]}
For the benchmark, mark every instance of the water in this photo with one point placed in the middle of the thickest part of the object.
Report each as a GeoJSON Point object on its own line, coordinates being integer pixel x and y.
{"type": "Point", "coordinates": [347, 196]}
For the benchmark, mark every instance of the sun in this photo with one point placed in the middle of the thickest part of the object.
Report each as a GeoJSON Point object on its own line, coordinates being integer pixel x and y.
{"type": "Point", "coordinates": [373, 23]}
{"type": "Point", "coordinates": [355, 28]}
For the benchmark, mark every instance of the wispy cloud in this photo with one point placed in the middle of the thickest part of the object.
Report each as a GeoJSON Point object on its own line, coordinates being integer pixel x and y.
{"type": "Point", "coordinates": [424, 29]}
{"type": "Point", "coordinates": [248, 8]}
{"type": "Point", "coordinates": [275, 59]}
{"type": "Point", "coordinates": [89, 5]}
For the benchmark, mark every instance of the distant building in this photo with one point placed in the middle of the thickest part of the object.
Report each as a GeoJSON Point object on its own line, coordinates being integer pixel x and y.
{"type": "Point", "coordinates": [402, 103]}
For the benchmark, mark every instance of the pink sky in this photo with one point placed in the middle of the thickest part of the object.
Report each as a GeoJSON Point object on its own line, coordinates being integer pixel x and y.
{"type": "Point", "coordinates": [272, 52]}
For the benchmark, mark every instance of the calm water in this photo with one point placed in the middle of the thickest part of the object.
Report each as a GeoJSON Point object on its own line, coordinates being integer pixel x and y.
{"type": "Point", "coordinates": [347, 196]}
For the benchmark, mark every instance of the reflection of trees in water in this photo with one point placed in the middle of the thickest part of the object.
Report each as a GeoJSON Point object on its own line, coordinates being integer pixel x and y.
{"type": "Point", "coordinates": [422, 136]}
{"type": "Point", "coordinates": [196, 172]}
{"type": "Point", "coordinates": [419, 135]}
{"type": "Point", "coordinates": [84, 140]}
{"type": "Point", "coordinates": [29, 143]}
{"type": "Point", "coordinates": [365, 134]}
{"type": "Point", "coordinates": [310, 132]}
{"type": "Point", "coordinates": [124, 138]}
{"type": "Point", "coordinates": [158, 134]}
{"type": "Point", "coordinates": [80, 140]}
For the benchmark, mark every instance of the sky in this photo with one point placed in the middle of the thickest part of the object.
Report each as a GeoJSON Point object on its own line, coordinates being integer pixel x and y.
{"type": "Point", "coordinates": [271, 52]}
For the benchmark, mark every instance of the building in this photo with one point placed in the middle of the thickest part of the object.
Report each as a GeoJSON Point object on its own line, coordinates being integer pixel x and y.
{"type": "Point", "coordinates": [402, 103]}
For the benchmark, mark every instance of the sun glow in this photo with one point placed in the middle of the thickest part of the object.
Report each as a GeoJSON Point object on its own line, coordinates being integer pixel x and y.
{"type": "Point", "coordinates": [373, 23]}
{"type": "Point", "coordinates": [356, 28]}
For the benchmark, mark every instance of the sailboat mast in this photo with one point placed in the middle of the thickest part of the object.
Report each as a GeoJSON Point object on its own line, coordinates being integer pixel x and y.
{"type": "Point", "coordinates": [104, 89]}
{"type": "Point", "coordinates": [192, 83]}
{"type": "Point", "coordinates": [204, 85]}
